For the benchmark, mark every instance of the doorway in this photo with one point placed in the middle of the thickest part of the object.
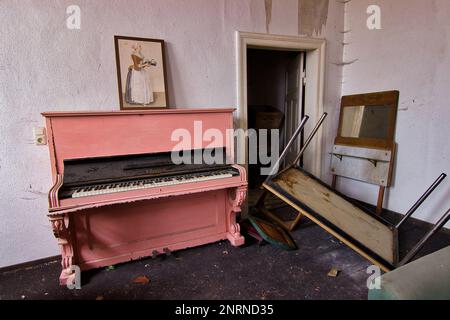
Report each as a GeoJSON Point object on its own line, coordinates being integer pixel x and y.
{"type": "Point", "coordinates": [275, 91]}
{"type": "Point", "coordinates": [314, 63]}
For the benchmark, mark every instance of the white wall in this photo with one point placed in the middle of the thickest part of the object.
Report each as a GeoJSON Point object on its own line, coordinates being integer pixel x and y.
{"type": "Point", "coordinates": [44, 66]}
{"type": "Point", "coordinates": [411, 54]}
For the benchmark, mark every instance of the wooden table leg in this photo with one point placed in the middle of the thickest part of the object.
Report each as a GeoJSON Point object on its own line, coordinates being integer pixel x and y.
{"type": "Point", "coordinates": [295, 222]}
{"type": "Point", "coordinates": [333, 183]}
{"type": "Point", "coordinates": [380, 200]}
{"type": "Point", "coordinates": [262, 197]}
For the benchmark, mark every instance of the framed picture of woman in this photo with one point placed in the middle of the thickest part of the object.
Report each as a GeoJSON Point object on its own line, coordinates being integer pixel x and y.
{"type": "Point", "coordinates": [141, 73]}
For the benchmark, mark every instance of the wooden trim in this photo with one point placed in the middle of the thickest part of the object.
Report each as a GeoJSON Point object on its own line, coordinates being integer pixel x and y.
{"type": "Point", "coordinates": [29, 264]}
{"type": "Point", "coordinates": [134, 112]}
{"type": "Point", "coordinates": [51, 148]}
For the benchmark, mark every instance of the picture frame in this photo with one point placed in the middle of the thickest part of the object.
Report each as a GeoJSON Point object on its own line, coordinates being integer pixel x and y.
{"type": "Point", "coordinates": [387, 100]}
{"type": "Point", "coordinates": [141, 73]}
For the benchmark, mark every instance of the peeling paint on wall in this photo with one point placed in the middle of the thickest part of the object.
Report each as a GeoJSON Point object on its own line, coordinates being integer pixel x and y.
{"type": "Point", "coordinates": [312, 16]}
{"type": "Point", "coordinates": [210, 25]}
{"type": "Point", "coordinates": [268, 8]}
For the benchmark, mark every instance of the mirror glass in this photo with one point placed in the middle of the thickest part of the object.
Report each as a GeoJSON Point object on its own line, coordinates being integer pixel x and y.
{"type": "Point", "coordinates": [370, 122]}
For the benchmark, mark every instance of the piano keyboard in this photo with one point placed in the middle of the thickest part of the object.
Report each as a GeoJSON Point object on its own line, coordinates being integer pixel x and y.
{"type": "Point", "coordinates": [93, 190]}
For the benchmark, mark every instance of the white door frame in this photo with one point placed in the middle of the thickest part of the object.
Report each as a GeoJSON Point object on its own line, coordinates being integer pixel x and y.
{"type": "Point", "coordinates": [315, 73]}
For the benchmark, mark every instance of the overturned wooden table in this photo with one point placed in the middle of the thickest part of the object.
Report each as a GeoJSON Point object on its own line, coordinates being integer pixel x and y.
{"type": "Point", "coordinates": [373, 237]}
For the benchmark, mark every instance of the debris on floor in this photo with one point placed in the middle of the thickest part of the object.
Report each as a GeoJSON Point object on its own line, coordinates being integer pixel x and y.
{"type": "Point", "coordinates": [141, 280]}
{"type": "Point", "coordinates": [334, 272]}
{"type": "Point", "coordinates": [110, 268]}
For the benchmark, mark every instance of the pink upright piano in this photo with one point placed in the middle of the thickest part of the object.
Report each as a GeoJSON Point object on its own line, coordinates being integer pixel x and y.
{"type": "Point", "coordinates": [117, 194]}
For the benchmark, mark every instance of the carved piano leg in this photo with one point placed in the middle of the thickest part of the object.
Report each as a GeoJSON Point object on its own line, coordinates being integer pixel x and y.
{"type": "Point", "coordinates": [60, 225]}
{"type": "Point", "coordinates": [236, 197]}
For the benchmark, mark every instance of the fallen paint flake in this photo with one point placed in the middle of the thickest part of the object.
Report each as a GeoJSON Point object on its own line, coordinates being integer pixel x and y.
{"type": "Point", "coordinates": [312, 16]}
{"type": "Point", "coordinates": [141, 280]}
{"type": "Point", "coordinates": [109, 268]}
{"type": "Point", "coordinates": [334, 272]}
{"type": "Point", "coordinates": [225, 252]}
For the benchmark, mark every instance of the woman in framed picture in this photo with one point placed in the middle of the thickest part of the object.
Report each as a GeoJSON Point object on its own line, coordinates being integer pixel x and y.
{"type": "Point", "coordinates": [139, 88]}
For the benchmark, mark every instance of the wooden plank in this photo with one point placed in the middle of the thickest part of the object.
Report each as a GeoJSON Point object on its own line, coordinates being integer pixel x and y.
{"type": "Point", "coordinates": [382, 265]}
{"type": "Point", "coordinates": [353, 221]}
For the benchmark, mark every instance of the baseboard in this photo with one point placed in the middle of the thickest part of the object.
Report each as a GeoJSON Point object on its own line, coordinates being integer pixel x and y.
{"type": "Point", "coordinates": [29, 264]}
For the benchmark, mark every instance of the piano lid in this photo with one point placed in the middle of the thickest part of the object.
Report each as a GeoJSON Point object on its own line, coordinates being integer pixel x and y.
{"type": "Point", "coordinates": [104, 169]}
{"type": "Point", "coordinates": [102, 134]}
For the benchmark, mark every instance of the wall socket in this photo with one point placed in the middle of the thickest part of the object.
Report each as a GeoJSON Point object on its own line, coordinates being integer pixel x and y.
{"type": "Point", "coordinates": [40, 137]}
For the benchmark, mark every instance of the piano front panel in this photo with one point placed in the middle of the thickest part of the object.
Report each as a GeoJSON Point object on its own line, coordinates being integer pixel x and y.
{"type": "Point", "coordinates": [86, 136]}
{"type": "Point", "coordinates": [105, 236]}
{"type": "Point", "coordinates": [106, 229]}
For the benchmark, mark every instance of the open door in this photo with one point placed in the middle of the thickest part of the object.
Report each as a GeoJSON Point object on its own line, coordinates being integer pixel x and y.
{"type": "Point", "coordinates": [269, 73]}
{"type": "Point", "coordinates": [294, 103]}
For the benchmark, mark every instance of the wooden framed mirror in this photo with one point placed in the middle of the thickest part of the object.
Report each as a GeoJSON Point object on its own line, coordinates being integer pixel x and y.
{"type": "Point", "coordinates": [368, 120]}
{"type": "Point", "coordinates": [364, 148]}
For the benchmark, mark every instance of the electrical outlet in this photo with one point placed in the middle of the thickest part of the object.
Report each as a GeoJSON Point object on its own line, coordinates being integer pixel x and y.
{"type": "Point", "coordinates": [39, 136]}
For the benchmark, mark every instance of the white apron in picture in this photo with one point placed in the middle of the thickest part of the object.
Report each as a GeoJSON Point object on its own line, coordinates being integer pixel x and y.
{"type": "Point", "coordinates": [139, 88]}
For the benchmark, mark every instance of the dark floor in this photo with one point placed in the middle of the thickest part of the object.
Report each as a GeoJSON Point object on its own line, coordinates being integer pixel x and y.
{"type": "Point", "coordinates": [220, 271]}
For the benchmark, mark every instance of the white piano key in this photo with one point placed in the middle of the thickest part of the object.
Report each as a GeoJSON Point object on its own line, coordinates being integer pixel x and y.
{"type": "Point", "coordinates": [151, 184]}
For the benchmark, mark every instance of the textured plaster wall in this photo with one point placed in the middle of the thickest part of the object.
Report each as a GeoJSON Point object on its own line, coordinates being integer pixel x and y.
{"type": "Point", "coordinates": [44, 66]}
{"type": "Point", "coordinates": [411, 54]}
